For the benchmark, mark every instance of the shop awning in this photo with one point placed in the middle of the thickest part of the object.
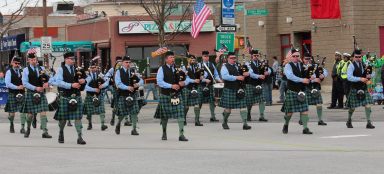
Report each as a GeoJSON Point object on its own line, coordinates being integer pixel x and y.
{"type": "Point", "coordinates": [60, 46]}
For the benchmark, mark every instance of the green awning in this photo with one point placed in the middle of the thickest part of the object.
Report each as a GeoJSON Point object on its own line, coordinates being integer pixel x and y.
{"type": "Point", "coordinates": [59, 46]}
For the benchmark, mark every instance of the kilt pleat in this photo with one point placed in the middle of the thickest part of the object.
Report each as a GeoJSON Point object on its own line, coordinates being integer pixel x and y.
{"type": "Point", "coordinates": [207, 98]}
{"type": "Point", "coordinates": [312, 100]}
{"type": "Point", "coordinates": [12, 105]}
{"type": "Point", "coordinates": [122, 108]}
{"type": "Point", "coordinates": [63, 113]}
{"type": "Point", "coordinates": [353, 102]}
{"type": "Point", "coordinates": [188, 101]}
{"type": "Point", "coordinates": [30, 107]}
{"type": "Point", "coordinates": [230, 101]}
{"type": "Point", "coordinates": [291, 104]}
{"type": "Point", "coordinates": [252, 98]}
{"type": "Point", "coordinates": [167, 110]}
{"type": "Point", "coordinates": [90, 109]}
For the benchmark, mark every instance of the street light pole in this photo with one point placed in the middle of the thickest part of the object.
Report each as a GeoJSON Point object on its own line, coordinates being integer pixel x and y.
{"type": "Point", "coordinates": [45, 25]}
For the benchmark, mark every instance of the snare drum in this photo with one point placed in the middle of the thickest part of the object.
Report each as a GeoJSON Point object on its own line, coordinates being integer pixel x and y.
{"type": "Point", "coordinates": [52, 97]}
{"type": "Point", "coordinates": [218, 89]}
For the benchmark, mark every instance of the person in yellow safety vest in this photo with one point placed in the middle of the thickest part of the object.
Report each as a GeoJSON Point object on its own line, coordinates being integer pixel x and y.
{"type": "Point", "coordinates": [347, 59]}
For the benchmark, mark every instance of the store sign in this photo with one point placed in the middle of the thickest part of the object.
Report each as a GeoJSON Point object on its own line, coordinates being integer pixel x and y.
{"type": "Point", "coordinates": [12, 42]}
{"type": "Point", "coordinates": [134, 27]}
{"type": "Point", "coordinates": [225, 41]}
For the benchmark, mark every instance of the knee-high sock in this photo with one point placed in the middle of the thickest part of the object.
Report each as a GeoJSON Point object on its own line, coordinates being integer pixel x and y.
{"type": "Point", "coordinates": [262, 109]}
{"type": "Point", "coordinates": [225, 116]}
{"type": "Point", "coordinates": [197, 114]}
{"type": "Point", "coordinates": [11, 117]}
{"type": "Point", "coordinates": [23, 119]}
{"type": "Point", "coordinates": [368, 113]}
{"type": "Point", "coordinates": [180, 121]}
{"type": "Point", "coordinates": [44, 120]}
{"type": "Point", "coordinates": [243, 114]}
{"type": "Point", "coordinates": [319, 110]}
{"type": "Point", "coordinates": [164, 122]}
{"type": "Point", "coordinates": [287, 118]}
{"type": "Point", "coordinates": [89, 118]}
{"type": "Point", "coordinates": [212, 109]}
{"type": "Point", "coordinates": [249, 109]}
{"type": "Point", "coordinates": [134, 120]}
{"type": "Point", "coordinates": [29, 121]}
{"type": "Point", "coordinates": [78, 127]}
{"type": "Point", "coordinates": [186, 109]}
{"type": "Point", "coordinates": [350, 113]}
{"type": "Point", "coordinates": [62, 125]}
{"type": "Point", "coordinates": [102, 118]}
{"type": "Point", "coordinates": [304, 119]}
{"type": "Point", "coordinates": [113, 114]}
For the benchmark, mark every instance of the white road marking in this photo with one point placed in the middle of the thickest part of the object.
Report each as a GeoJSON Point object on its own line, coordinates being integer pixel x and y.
{"type": "Point", "coordinates": [346, 136]}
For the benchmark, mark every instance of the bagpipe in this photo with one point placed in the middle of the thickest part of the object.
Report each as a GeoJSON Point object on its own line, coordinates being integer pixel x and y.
{"type": "Point", "coordinates": [179, 76]}
{"type": "Point", "coordinates": [133, 79]}
{"type": "Point", "coordinates": [195, 72]}
{"type": "Point", "coordinates": [242, 68]}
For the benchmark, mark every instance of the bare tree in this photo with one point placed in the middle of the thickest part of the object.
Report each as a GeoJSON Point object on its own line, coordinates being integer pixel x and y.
{"type": "Point", "coordinates": [14, 17]}
{"type": "Point", "coordinates": [161, 11]}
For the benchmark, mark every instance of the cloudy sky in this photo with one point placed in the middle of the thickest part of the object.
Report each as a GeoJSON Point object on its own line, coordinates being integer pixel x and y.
{"type": "Point", "coordinates": [7, 6]}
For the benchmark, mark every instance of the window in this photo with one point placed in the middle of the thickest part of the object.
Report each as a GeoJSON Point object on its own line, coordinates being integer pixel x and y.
{"type": "Point", "coordinates": [285, 42]}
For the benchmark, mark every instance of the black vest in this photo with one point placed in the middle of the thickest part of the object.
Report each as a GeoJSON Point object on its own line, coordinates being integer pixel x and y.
{"type": "Point", "coordinates": [15, 80]}
{"type": "Point", "coordinates": [192, 75]}
{"type": "Point", "coordinates": [293, 86]}
{"type": "Point", "coordinates": [212, 69]}
{"type": "Point", "coordinates": [232, 70]}
{"type": "Point", "coordinates": [124, 76]}
{"type": "Point", "coordinates": [33, 78]}
{"type": "Point", "coordinates": [68, 78]}
{"type": "Point", "coordinates": [255, 70]}
{"type": "Point", "coordinates": [93, 84]}
{"type": "Point", "coordinates": [358, 72]}
{"type": "Point", "coordinates": [169, 77]}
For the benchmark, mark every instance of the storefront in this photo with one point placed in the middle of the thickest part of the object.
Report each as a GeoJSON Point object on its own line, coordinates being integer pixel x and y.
{"type": "Point", "coordinates": [9, 47]}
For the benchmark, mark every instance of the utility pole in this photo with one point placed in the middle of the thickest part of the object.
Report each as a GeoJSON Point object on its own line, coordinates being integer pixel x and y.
{"type": "Point", "coordinates": [45, 25]}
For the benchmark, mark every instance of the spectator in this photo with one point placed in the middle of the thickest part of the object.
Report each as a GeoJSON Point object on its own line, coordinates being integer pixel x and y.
{"type": "Point", "coordinates": [2, 80]}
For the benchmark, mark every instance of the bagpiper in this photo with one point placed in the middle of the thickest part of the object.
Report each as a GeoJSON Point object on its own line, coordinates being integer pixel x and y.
{"type": "Point", "coordinates": [94, 100]}
{"type": "Point", "coordinates": [127, 97]}
{"type": "Point", "coordinates": [192, 92]}
{"type": "Point", "coordinates": [16, 94]}
{"type": "Point", "coordinates": [254, 83]}
{"type": "Point", "coordinates": [210, 75]}
{"type": "Point", "coordinates": [70, 80]}
{"type": "Point", "coordinates": [316, 73]}
{"type": "Point", "coordinates": [234, 92]}
{"type": "Point", "coordinates": [295, 98]}
{"type": "Point", "coordinates": [359, 75]}
{"type": "Point", "coordinates": [171, 104]}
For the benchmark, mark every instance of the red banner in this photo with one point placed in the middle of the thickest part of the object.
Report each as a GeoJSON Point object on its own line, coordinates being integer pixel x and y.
{"type": "Point", "coordinates": [325, 9]}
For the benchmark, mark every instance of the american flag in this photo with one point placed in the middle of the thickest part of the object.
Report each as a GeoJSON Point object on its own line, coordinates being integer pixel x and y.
{"type": "Point", "coordinates": [200, 15]}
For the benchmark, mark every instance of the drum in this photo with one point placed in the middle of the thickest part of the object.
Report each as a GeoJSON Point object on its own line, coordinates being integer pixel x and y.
{"type": "Point", "coordinates": [218, 89]}
{"type": "Point", "coordinates": [52, 98]}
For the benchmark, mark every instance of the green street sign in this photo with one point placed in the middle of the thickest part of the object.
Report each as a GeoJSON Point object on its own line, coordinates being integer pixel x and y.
{"type": "Point", "coordinates": [239, 7]}
{"type": "Point", "coordinates": [225, 41]}
{"type": "Point", "coordinates": [257, 12]}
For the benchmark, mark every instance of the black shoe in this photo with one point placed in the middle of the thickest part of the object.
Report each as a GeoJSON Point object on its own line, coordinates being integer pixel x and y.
{"type": "Point", "coordinates": [61, 137]}
{"type": "Point", "coordinates": [307, 131]}
{"type": "Point", "coordinates": [285, 129]}
{"type": "Point", "coordinates": [164, 137]}
{"type": "Point", "coordinates": [331, 107]}
{"type": "Point", "coordinates": [117, 129]}
{"type": "Point", "coordinates": [321, 123]}
{"type": "Point", "coordinates": [370, 126]}
{"type": "Point", "coordinates": [262, 119]}
{"type": "Point", "coordinates": [134, 132]}
{"type": "Point", "coordinates": [26, 134]}
{"type": "Point", "coordinates": [225, 125]}
{"type": "Point", "coordinates": [246, 127]}
{"type": "Point", "coordinates": [103, 127]}
{"type": "Point", "coordinates": [69, 124]}
{"type": "Point", "coordinates": [112, 122]}
{"type": "Point", "coordinates": [127, 123]}
{"type": "Point", "coordinates": [198, 124]}
{"type": "Point", "coordinates": [300, 122]}
{"type": "Point", "coordinates": [182, 138]}
{"type": "Point", "coordinates": [12, 128]}
{"type": "Point", "coordinates": [89, 126]}
{"type": "Point", "coordinates": [34, 123]}
{"type": "Point", "coordinates": [213, 120]}
{"type": "Point", "coordinates": [46, 135]}
{"type": "Point", "coordinates": [22, 131]}
{"type": "Point", "coordinates": [349, 124]}
{"type": "Point", "coordinates": [81, 141]}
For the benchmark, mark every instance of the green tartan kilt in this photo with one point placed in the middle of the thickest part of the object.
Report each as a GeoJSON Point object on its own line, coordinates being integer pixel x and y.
{"type": "Point", "coordinates": [90, 109]}
{"type": "Point", "coordinates": [63, 113]}
{"type": "Point", "coordinates": [230, 101]}
{"type": "Point", "coordinates": [167, 110]}
{"type": "Point", "coordinates": [114, 97]}
{"type": "Point", "coordinates": [188, 101]}
{"type": "Point", "coordinates": [12, 106]}
{"type": "Point", "coordinates": [252, 98]}
{"type": "Point", "coordinates": [207, 99]}
{"type": "Point", "coordinates": [353, 102]}
{"type": "Point", "coordinates": [291, 104]}
{"type": "Point", "coordinates": [30, 107]}
{"type": "Point", "coordinates": [313, 100]}
{"type": "Point", "coordinates": [123, 110]}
